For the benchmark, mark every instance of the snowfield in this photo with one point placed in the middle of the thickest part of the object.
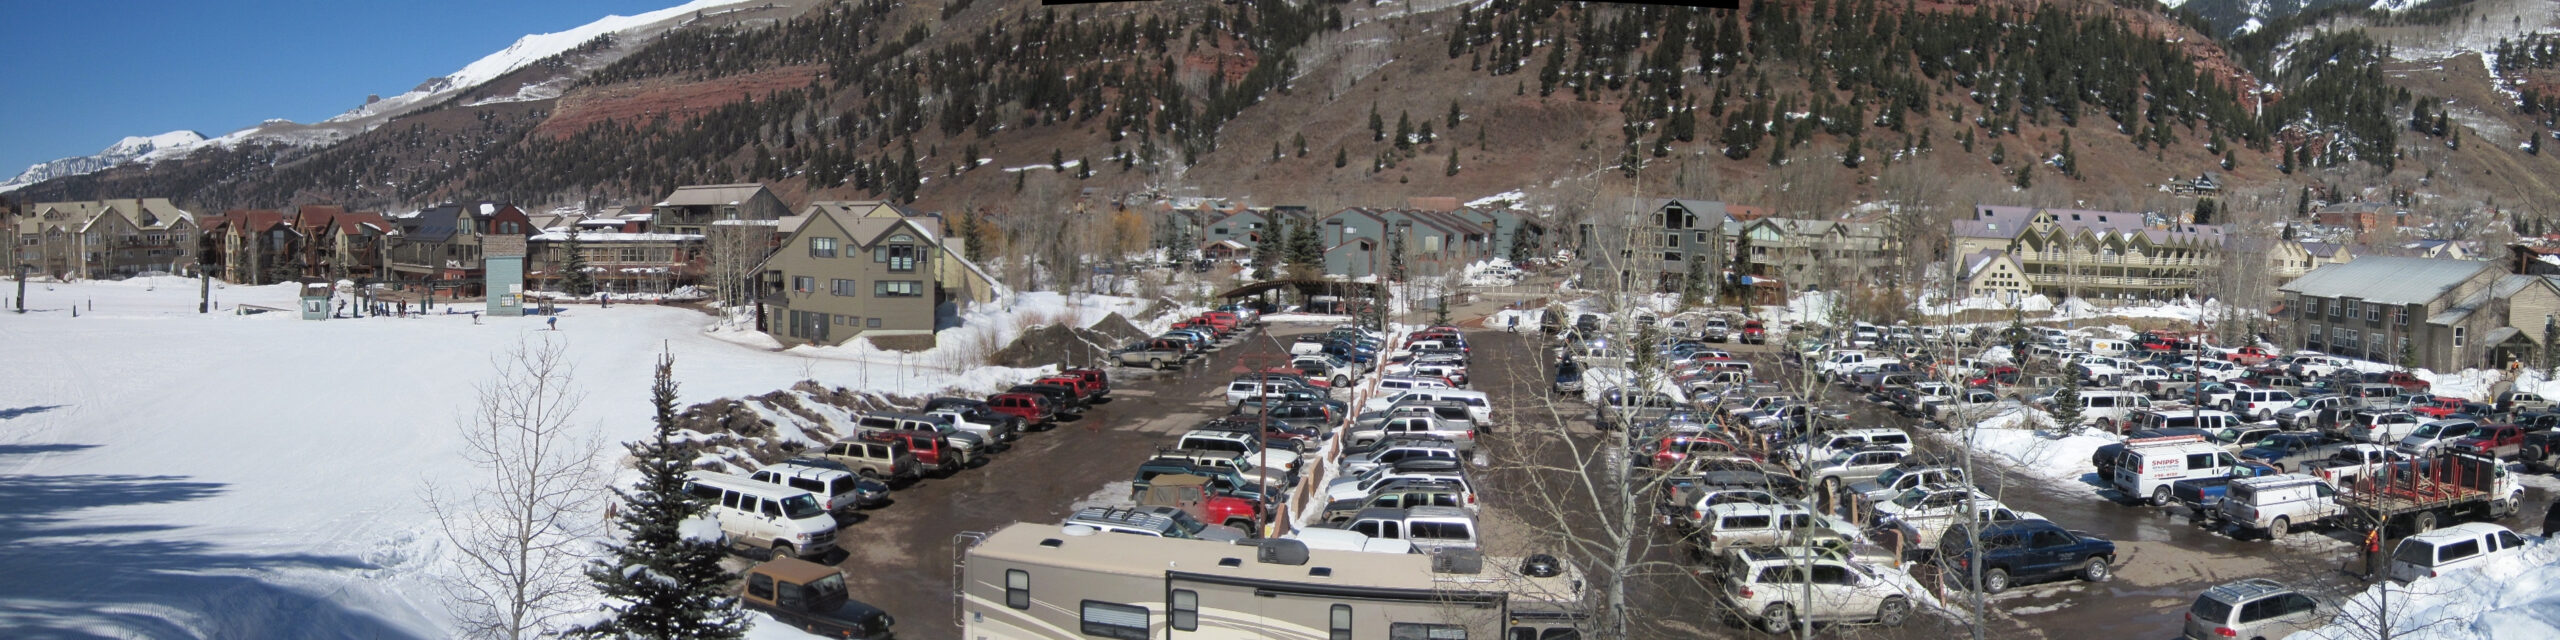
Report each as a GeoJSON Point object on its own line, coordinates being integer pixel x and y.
{"type": "Point", "coordinates": [2513, 596]}
{"type": "Point", "coordinates": [2017, 438]}
{"type": "Point", "coordinates": [169, 474]}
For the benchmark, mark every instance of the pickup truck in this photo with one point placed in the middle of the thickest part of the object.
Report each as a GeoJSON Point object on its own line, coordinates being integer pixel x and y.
{"type": "Point", "coordinates": [2203, 496]}
{"type": "Point", "coordinates": [2502, 441]}
{"type": "Point", "coordinates": [2351, 463]}
{"type": "Point", "coordinates": [1754, 333]}
{"type": "Point", "coordinates": [1717, 330]}
{"type": "Point", "coordinates": [2293, 450]}
{"type": "Point", "coordinates": [1034, 409]}
{"type": "Point", "coordinates": [2248, 356]}
{"type": "Point", "coordinates": [2027, 549]}
{"type": "Point", "coordinates": [811, 597]}
{"type": "Point", "coordinates": [2539, 447]}
{"type": "Point", "coordinates": [1158, 353]}
{"type": "Point", "coordinates": [2406, 380]}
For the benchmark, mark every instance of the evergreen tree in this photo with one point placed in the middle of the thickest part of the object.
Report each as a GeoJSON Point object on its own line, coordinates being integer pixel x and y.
{"type": "Point", "coordinates": [1999, 152]}
{"type": "Point", "coordinates": [1377, 125]}
{"type": "Point", "coordinates": [2229, 161]}
{"type": "Point", "coordinates": [658, 582]}
{"type": "Point", "coordinates": [1395, 255]}
{"type": "Point", "coordinates": [2026, 176]}
{"type": "Point", "coordinates": [2206, 210]}
{"type": "Point", "coordinates": [1404, 131]}
{"type": "Point", "coordinates": [2302, 205]}
{"type": "Point", "coordinates": [1693, 292]}
{"type": "Point", "coordinates": [1851, 157]}
{"type": "Point", "coordinates": [1454, 115]}
{"type": "Point", "coordinates": [2068, 163]}
{"type": "Point", "coordinates": [1341, 158]}
{"type": "Point", "coordinates": [576, 279]}
{"type": "Point", "coordinates": [1453, 160]}
{"type": "Point", "coordinates": [1266, 252]}
{"type": "Point", "coordinates": [1520, 247]}
{"type": "Point", "coordinates": [2066, 405]}
{"type": "Point", "coordinates": [1302, 145]}
{"type": "Point", "coordinates": [1440, 318]}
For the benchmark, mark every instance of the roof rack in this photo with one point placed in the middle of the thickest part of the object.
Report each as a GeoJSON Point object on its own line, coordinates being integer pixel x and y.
{"type": "Point", "coordinates": [2162, 440]}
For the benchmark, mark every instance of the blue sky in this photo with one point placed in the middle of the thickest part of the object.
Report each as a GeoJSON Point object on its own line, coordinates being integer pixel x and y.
{"type": "Point", "coordinates": [78, 75]}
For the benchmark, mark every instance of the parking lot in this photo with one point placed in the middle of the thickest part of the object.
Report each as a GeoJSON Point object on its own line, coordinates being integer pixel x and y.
{"type": "Point", "coordinates": [900, 556]}
{"type": "Point", "coordinates": [2162, 560]}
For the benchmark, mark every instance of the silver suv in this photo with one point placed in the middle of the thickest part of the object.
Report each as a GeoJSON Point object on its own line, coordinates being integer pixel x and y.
{"type": "Point", "coordinates": [2252, 608]}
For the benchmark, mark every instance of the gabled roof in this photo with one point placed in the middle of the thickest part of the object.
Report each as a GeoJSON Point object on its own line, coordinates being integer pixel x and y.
{"type": "Point", "coordinates": [712, 195]}
{"type": "Point", "coordinates": [2386, 280]}
{"type": "Point", "coordinates": [434, 224]}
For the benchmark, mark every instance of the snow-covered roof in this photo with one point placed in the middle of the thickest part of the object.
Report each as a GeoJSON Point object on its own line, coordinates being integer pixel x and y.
{"type": "Point", "coordinates": [609, 236]}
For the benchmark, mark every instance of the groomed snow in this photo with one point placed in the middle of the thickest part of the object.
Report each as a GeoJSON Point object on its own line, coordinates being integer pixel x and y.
{"type": "Point", "coordinates": [169, 474]}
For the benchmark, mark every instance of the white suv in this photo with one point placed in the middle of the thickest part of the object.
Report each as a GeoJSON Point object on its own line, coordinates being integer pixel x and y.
{"type": "Point", "coordinates": [1769, 589]}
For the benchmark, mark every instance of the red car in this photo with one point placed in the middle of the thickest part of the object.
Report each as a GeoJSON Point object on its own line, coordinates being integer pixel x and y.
{"type": "Point", "coordinates": [1753, 333]}
{"type": "Point", "coordinates": [1671, 449]}
{"type": "Point", "coordinates": [2406, 380]}
{"type": "Point", "coordinates": [1997, 375]}
{"type": "Point", "coordinates": [1099, 378]}
{"type": "Point", "coordinates": [2497, 441]}
{"type": "Point", "coordinates": [1032, 408]}
{"type": "Point", "coordinates": [2250, 356]}
{"type": "Point", "coordinates": [2439, 407]}
{"type": "Point", "coordinates": [1085, 388]}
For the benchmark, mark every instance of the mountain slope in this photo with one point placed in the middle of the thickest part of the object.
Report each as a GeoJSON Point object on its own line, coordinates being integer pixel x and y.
{"type": "Point", "coordinates": [131, 149]}
{"type": "Point", "coordinates": [591, 44]}
{"type": "Point", "coordinates": [1002, 106]}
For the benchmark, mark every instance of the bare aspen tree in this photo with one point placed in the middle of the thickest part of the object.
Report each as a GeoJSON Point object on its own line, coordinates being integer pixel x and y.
{"type": "Point", "coordinates": [520, 528]}
{"type": "Point", "coordinates": [734, 250]}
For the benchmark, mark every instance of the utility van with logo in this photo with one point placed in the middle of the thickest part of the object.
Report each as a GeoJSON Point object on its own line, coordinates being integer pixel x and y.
{"type": "Point", "coordinates": [2150, 465]}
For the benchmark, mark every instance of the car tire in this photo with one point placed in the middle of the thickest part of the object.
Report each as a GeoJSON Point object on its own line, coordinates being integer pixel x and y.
{"type": "Point", "coordinates": [2423, 522]}
{"type": "Point", "coordinates": [2281, 526]}
{"type": "Point", "coordinates": [785, 550]}
{"type": "Point", "coordinates": [2095, 571]}
{"type": "Point", "coordinates": [2160, 497]}
{"type": "Point", "coordinates": [1778, 618]}
{"type": "Point", "coordinates": [2532, 454]}
{"type": "Point", "coordinates": [1995, 580]}
{"type": "Point", "coordinates": [1895, 611]}
{"type": "Point", "coordinates": [868, 474]}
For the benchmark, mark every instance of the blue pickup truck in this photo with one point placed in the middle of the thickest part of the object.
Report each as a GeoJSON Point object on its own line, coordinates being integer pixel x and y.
{"type": "Point", "coordinates": [2021, 550]}
{"type": "Point", "coordinates": [2203, 496]}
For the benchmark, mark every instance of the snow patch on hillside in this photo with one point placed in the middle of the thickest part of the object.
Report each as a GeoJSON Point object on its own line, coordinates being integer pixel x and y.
{"type": "Point", "coordinates": [525, 51]}
{"type": "Point", "coordinates": [131, 149]}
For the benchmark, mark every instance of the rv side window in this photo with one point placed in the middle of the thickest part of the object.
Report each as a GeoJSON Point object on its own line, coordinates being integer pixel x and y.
{"type": "Point", "coordinates": [1017, 588]}
{"type": "Point", "coordinates": [1341, 623]}
{"type": "Point", "coordinates": [1420, 631]}
{"type": "Point", "coordinates": [760, 586]}
{"type": "Point", "coordinates": [1185, 612]}
{"type": "Point", "coordinates": [1108, 620]}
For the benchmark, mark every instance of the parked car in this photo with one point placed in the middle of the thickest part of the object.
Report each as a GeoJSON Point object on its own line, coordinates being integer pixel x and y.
{"type": "Point", "coordinates": [2274, 505]}
{"type": "Point", "coordinates": [2432, 553]}
{"type": "Point", "coordinates": [811, 597]}
{"type": "Point", "coordinates": [2023, 550]}
{"type": "Point", "coordinates": [2255, 609]}
{"type": "Point", "coordinates": [1776, 589]}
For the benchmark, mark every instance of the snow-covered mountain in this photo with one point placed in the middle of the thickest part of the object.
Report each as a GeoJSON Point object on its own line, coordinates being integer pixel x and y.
{"type": "Point", "coordinates": [131, 149]}
{"type": "Point", "coordinates": [629, 31]}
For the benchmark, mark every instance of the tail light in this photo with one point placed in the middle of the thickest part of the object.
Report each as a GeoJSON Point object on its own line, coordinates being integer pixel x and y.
{"type": "Point", "coordinates": [2226, 632]}
{"type": "Point", "coordinates": [1746, 591]}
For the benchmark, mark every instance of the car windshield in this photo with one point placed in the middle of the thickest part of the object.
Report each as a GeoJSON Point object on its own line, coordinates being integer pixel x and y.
{"type": "Point", "coordinates": [803, 506]}
{"type": "Point", "coordinates": [1189, 525]}
{"type": "Point", "coordinates": [2428, 431]}
{"type": "Point", "coordinates": [1911, 498]}
{"type": "Point", "coordinates": [2304, 403]}
{"type": "Point", "coordinates": [1889, 475]}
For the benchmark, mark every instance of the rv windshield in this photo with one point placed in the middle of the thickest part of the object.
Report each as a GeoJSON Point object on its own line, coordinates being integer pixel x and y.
{"type": "Point", "coordinates": [803, 506]}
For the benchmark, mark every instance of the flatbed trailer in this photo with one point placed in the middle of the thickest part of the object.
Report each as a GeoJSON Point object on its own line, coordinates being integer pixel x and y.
{"type": "Point", "coordinates": [2418, 495]}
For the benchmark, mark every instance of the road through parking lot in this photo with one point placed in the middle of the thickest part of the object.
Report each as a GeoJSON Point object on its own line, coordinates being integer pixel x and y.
{"type": "Point", "coordinates": [900, 556]}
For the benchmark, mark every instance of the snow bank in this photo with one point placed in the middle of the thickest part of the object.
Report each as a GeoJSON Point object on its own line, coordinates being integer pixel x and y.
{"type": "Point", "coordinates": [2469, 384]}
{"type": "Point", "coordinates": [2020, 438]}
{"type": "Point", "coordinates": [2509, 597]}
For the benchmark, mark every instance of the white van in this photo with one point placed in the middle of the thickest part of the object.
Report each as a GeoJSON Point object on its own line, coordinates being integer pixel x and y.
{"type": "Point", "coordinates": [1597, 355]}
{"type": "Point", "coordinates": [1391, 384]}
{"type": "Point", "coordinates": [2108, 408]}
{"type": "Point", "coordinates": [789, 522]}
{"type": "Point", "coordinates": [2150, 465]}
{"type": "Point", "coordinates": [1430, 529]}
{"type": "Point", "coordinates": [1341, 540]}
{"type": "Point", "coordinates": [1478, 406]}
{"type": "Point", "coordinates": [2110, 348]}
{"type": "Point", "coordinates": [839, 489]}
{"type": "Point", "coordinates": [2260, 405]}
{"type": "Point", "coordinates": [2430, 554]}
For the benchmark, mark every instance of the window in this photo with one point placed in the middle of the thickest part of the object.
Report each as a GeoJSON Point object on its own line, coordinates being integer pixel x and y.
{"type": "Point", "coordinates": [1341, 623]}
{"type": "Point", "coordinates": [1420, 631]}
{"type": "Point", "coordinates": [2458, 551]}
{"type": "Point", "coordinates": [2333, 308]}
{"type": "Point", "coordinates": [1185, 612]}
{"type": "Point", "coordinates": [1108, 620]}
{"type": "Point", "coordinates": [2400, 316]}
{"type": "Point", "coordinates": [2457, 337]}
{"type": "Point", "coordinates": [804, 284]}
{"type": "Point", "coordinates": [1017, 589]}
{"type": "Point", "coordinates": [2373, 312]}
{"type": "Point", "coordinates": [822, 247]}
{"type": "Point", "coordinates": [844, 287]}
{"type": "Point", "coordinates": [897, 289]}
{"type": "Point", "coordinates": [760, 586]}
